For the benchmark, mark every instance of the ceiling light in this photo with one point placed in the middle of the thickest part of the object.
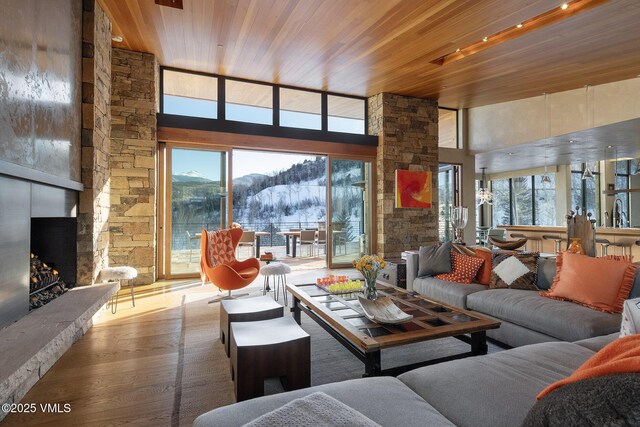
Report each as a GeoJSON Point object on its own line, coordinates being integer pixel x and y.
{"type": "Point", "coordinates": [519, 26]}
{"type": "Point", "coordinates": [484, 195]}
{"type": "Point", "coordinates": [444, 87]}
{"type": "Point", "coordinates": [117, 39]}
{"type": "Point", "coordinates": [564, 6]}
{"type": "Point", "coordinates": [609, 146]}
{"type": "Point", "coordinates": [220, 46]}
{"type": "Point", "coordinates": [484, 39]}
{"type": "Point", "coordinates": [458, 50]}
{"type": "Point", "coordinates": [571, 141]}
{"type": "Point", "coordinates": [511, 154]}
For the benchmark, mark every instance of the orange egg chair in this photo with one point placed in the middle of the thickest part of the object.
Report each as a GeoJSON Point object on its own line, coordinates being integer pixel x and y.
{"type": "Point", "coordinates": [230, 275]}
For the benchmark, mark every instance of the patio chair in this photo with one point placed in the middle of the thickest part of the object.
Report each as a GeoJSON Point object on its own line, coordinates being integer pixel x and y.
{"type": "Point", "coordinates": [248, 240]}
{"type": "Point", "coordinates": [307, 238]}
{"type": "Point", "coordinates": [321, 240]}
{"type": "Point", "coordinates": [190, 239]}
{"type": "Point", "coordinates": [219, 265]}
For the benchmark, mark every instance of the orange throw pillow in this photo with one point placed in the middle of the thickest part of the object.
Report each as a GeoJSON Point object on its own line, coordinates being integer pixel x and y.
{"type": "Point", "coordinates": [598, 283]}
{"type": "Point", "coordinates": [463, 268]}
{"type": "Point", "coordinates": [484, 274]}
{"type": "Point", "coordinates": [619, 357]}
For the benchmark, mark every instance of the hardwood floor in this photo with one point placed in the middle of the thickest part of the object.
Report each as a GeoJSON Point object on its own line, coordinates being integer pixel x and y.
{"type": "Point", "coordinates": [123, 371]}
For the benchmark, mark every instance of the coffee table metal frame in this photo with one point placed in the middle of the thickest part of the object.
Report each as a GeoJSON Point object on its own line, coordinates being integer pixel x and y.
{"type": "Point", "coordinates": [432, 320]}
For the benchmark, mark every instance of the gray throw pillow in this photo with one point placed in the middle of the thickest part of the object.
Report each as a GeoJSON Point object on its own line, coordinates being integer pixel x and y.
{"type": "Point", "coordinates": [611, 400]}
{"type": "Point", "coordinates": [434, 260]}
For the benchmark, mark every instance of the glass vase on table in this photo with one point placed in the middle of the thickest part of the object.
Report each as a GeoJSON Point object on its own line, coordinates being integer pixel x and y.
{"type": "Point", "coordinates": [369, 266]}
{"type": "Point", "coordinates": [459, 216]}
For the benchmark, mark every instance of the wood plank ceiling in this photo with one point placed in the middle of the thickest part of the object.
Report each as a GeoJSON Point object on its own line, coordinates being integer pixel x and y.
{"type": "Point", "coordinates": [363, 47]}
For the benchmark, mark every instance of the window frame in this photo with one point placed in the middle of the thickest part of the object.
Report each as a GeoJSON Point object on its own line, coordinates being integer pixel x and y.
{"type": "Point", "coordinates": [457, 147]}
{"type": "Point", "coordinates": [222, 124]}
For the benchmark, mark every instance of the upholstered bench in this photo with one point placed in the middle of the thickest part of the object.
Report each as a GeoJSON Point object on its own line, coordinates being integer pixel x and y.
{"type": "Point", "coordinates": [245, 310]}
{"type": "Point", "coordinates": [275, 348]}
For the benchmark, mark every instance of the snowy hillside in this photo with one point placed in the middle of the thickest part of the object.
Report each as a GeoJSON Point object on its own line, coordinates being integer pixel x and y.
{"type": "Point", "coordinates": [191, 176]}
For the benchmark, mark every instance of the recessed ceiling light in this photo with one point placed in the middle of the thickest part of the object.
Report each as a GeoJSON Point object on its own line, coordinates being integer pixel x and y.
{"type": "Point", "coordinates": [444, 87]}
{"type": "Point", "coordinates": [484, 39]}
{"type": "Point", "coordinates": [458, 50]}
{"type": "Point", "coordinates": [571, 141]}
{"type": "Point", "coordinates": [117, 39]}
{"type": "Point", "coordinates": [511, 154]}
{"type": "Point", "coordinates": [609, 146]}
{"type": "Point", "coordinates": [519, 26]}
{"type": "Point", "coordinates": [564, 6]}
{"type": "Point", "coordinates": [220, 46]}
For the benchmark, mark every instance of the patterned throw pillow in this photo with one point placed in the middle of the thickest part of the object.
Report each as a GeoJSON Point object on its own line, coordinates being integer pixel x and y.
{"type": "Point", "coordinates": [463, 268]}
{"type": "Point", "coordinates": [515, 271]}
{"type": "Point", "coordinates": [221, 249]}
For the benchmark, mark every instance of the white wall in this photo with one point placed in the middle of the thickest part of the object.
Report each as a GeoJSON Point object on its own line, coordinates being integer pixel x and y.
{"type": "Point", "coordinates": [513, 123]}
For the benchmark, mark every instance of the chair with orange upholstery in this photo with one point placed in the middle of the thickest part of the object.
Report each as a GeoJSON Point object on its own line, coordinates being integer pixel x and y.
{"type": "Point", "coordinates": [219, 265]}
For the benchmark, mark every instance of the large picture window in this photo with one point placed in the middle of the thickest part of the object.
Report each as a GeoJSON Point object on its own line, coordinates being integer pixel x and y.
{"type": "Point", "coordinates": [524, 200]}
{"type": "Point", "coordinates": [447, 128]}
{"type": "Point", "coordinates": [585, 193]}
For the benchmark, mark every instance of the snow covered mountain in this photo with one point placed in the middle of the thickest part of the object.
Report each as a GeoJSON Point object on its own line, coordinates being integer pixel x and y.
{"type": "Point", "coordinates": [248, 179]}
{"type": "Point", "coordinates": [191, 176]}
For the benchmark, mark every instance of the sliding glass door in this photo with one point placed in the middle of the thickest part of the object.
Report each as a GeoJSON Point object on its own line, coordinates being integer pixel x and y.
{"type": "Point", "coordinates": [350, 210]}
{"type": "Point", "coordinates": [197, 199]}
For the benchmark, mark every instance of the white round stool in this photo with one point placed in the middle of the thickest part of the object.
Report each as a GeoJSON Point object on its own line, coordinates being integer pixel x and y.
{"type": "Point", "coordinates": [280, 271]}
{"type": "Point", "coordinates": [112, 274]}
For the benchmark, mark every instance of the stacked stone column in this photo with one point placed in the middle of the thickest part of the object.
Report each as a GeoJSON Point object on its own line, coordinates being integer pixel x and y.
{"type": "Point", "coordinates": [133, 163]}
{"type": "Point", "coordinates": [408, 139]}
{"type": "Point", "coordinates": [93, 208]}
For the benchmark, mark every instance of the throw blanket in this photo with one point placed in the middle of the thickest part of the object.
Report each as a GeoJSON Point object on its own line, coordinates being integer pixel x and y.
{"type": "Point", "coordinates": [619, 357]}
{"type": "Point", "coordinates": [317, 409]}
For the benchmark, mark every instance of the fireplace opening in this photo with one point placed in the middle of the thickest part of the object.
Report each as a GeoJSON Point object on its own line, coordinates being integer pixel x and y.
{"type": "Point", "coordinates": [45, 283]}
{"type": "Point", "coordinates": [53, 259]}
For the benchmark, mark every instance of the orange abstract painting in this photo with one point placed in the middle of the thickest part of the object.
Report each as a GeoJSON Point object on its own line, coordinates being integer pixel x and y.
{"type": "Point", "coordinates": [413, 189]}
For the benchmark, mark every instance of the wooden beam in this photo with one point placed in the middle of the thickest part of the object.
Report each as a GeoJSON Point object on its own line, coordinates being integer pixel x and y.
{"type": "Point", "coordinates": [258, 142]}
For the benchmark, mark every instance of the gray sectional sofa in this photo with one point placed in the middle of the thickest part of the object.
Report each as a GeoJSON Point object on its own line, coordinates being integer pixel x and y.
{"type": "Point", "coordinates": [526, 316]}
{"type": "Point", "coordinates": [553, 338]}
{"type": "Point", "coordinates": [497, 390]}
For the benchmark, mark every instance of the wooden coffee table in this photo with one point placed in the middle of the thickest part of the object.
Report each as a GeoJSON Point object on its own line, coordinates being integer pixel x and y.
{"type": "Point", "coordinates": [343, 318]}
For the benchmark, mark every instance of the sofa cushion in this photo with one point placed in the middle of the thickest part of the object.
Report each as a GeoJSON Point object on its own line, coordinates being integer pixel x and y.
{"type": "Point", "coordinates": [447, 292]}
{"type": "Point", "coordinates": [560, 319]}
{"type": "Point", "coordinates": [597, 343]}
{"type": "Point", "coordinates": [463, 268]}
{"type": "Point", "coordinates": [546, 272]}
{"type": "Point", "coordinates": [604, 401]}
{"type": "Point", "coordinates": [515, 271]}
{"type": "Point", "coordinates": [599, 283]}
{"type": "Point", "coordinates": [498, 389]}
{"type": "Point", "coordinates": [402, 406]}
{"type": "Point", "coordinates": [434, 260]}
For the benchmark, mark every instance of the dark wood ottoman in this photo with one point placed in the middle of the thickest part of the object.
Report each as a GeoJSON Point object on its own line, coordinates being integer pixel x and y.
{"type": "Point", "coordinates": [276, 348]}
{"type": "Point", "coordinates": [246, 310]}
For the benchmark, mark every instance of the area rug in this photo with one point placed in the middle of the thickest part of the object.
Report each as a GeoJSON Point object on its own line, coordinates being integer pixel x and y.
{"type": "Point", "coordinates": [203, 380]}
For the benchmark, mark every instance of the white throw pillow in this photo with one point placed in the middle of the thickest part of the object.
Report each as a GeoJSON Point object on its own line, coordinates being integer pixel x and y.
{"type": "Point", "coordinates": [510, 270]}
{"type": "Point", "coordinates": [630, 318]}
